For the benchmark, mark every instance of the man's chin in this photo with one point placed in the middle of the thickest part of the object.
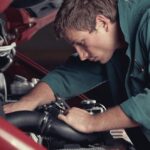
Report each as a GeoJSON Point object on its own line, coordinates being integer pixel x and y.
{"type": "Point", "coordinates": [102, 61]}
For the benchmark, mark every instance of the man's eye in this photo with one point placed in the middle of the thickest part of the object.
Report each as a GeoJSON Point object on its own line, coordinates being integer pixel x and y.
{"type": "Point", "coordinates": [81, 44]}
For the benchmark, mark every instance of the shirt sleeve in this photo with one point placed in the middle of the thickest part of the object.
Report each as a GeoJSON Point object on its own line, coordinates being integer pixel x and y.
{"type": "Point", "coordinates": [75, 77]}
{"type": "Point", "coordinates": [138, 107]}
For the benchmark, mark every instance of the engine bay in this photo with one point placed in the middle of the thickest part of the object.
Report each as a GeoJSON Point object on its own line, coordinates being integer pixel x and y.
{"type": "Point", "coordinates": [43, 126]}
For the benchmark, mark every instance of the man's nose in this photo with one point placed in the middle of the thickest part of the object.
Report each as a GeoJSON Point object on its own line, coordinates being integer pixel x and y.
{"type": "Point", "coordinates": [82, 53]}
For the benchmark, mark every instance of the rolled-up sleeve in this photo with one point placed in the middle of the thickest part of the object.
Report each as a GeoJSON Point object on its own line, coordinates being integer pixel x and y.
{"type": "Point", "coordinates": [138, 108]}
{"type": "Point", "coordinates": [75, 77]}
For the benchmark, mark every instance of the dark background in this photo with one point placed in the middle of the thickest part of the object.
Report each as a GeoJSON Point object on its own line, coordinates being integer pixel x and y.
{"type": "Point", "coordinates": [46, 49]}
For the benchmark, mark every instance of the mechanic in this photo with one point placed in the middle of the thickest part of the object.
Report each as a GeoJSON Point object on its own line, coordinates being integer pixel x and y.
{"type": "Point", "coordinates": [112, 41]}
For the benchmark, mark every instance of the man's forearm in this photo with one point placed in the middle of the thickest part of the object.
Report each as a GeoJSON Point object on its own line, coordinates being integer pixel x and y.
{"type": "Point", "coordinates": [113, 118]}
{"type": "Point", "coordinates": [40, 95]}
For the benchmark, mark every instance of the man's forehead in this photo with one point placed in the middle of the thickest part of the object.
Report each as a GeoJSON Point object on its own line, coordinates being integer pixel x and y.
{"type": "Point", "coordinates": [71, 35]}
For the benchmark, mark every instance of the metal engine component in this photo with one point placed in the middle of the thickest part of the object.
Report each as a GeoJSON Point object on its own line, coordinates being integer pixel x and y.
{"type": "Point", "coordinates": [7, 50]}
{"type": "Point", "coordinates": [92, 106]}
{"type": "Point", "coordinates": [61, 104]}
{"type": "Point", "coordinates": [38, 8]}
{"type": "Point", "coordinates": [3, 88]}
{"type": "Point", "coordinates": [21, 85]}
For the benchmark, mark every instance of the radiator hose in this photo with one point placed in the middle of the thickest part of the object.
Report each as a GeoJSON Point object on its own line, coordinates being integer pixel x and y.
{"type": "Point", "coordinates": [48, 125]}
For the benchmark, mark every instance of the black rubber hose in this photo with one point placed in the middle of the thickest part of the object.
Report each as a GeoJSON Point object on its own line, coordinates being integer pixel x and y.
{"type": "Point", "coordinates": [35, 122]}
{"type": "Point", "coordinates": [29, 121]}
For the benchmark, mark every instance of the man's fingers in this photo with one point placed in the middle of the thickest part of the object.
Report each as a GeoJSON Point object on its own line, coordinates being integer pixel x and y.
{"type": "Point", "coordinates": [62, 117]}
{"type": "Point", "coordinates": [6, 108]}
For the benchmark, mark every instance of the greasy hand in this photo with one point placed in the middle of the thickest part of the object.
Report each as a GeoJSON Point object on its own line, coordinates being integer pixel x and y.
{"type": "Point", "coordinates": [78, 119]}
{"type": "Point", "coordinates": [17, 106]}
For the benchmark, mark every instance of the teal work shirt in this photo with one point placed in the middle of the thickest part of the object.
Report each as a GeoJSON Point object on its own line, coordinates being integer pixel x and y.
{"type": "Point", "coordinates": [76, 77]}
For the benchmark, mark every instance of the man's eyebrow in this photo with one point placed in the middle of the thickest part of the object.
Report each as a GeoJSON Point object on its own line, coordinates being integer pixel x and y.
{"type": "Point", "coordinates": [69, 41]}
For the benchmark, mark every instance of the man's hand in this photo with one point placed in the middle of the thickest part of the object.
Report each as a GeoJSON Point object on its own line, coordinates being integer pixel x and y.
{"type": "Point", "coordinates": [113, 118]}
{"type": "Point", "coordinates": [18, 106]}
{"type": "Point", "coordinates": [79, 119]}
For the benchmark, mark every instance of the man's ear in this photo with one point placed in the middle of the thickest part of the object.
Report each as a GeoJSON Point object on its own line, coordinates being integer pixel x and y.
{"type": "Point", "coordinates": [102, 22]}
